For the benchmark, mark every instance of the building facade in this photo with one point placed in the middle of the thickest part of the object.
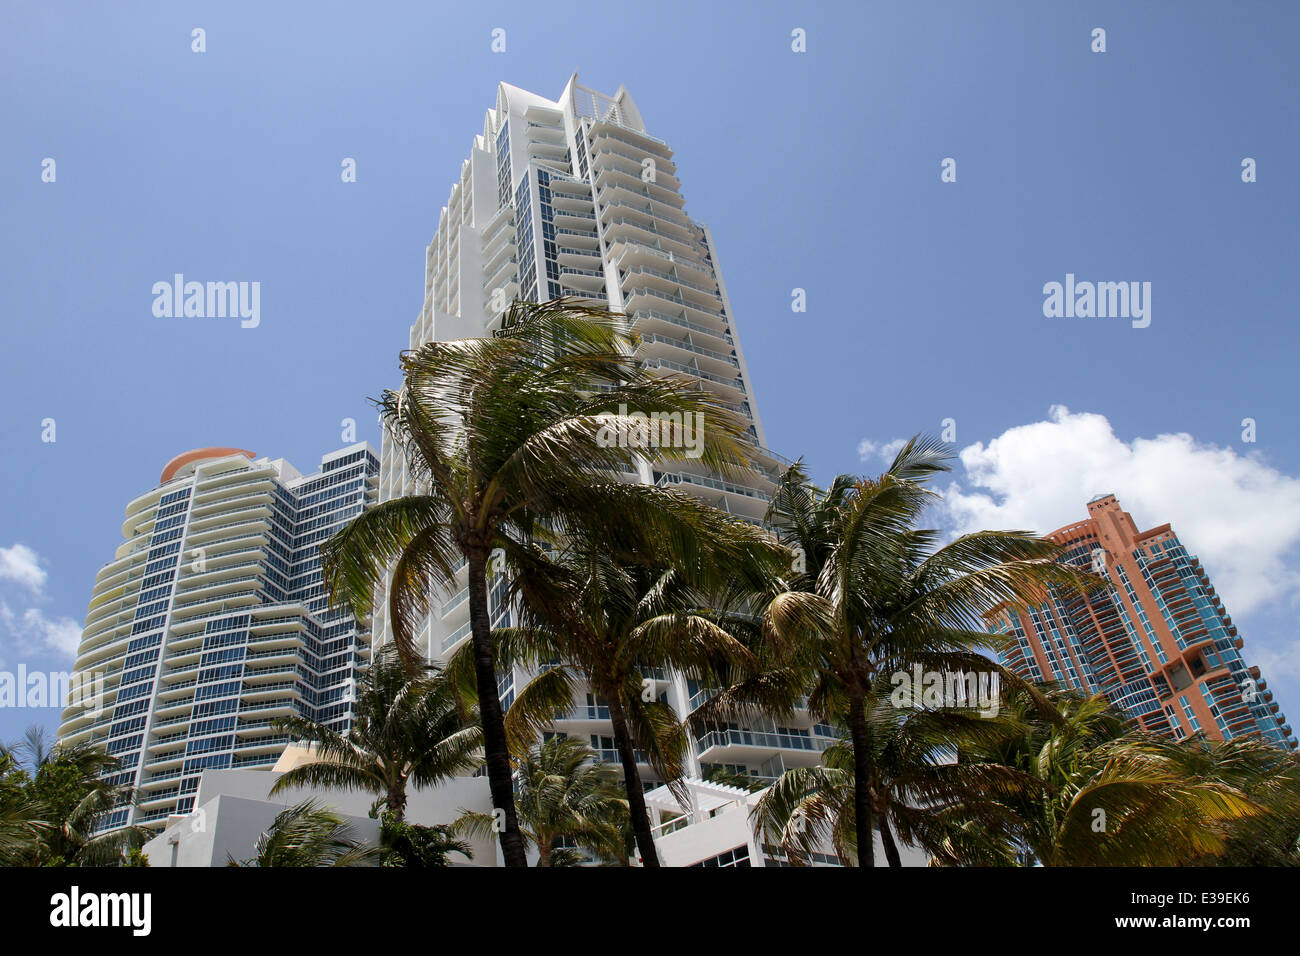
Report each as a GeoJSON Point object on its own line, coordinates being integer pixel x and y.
{"type": "Point", "coordinates": [713, 827]}
{"type": "Point", "coordinates": [1159, 643]}
{"type": "Point", "coordinates": [575, 197]}
{"type": "Point", "coordinates": [233, 810]}
{"type": "Point", "coordinates": [212, 620]}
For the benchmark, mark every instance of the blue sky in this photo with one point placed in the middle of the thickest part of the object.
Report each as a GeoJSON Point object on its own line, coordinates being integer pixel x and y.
{"type": "Point", "coordinates": [817, 171]}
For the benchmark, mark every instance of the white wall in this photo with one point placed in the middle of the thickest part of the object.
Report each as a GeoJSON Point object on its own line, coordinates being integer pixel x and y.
{"type": "Point", "coordinates": [234, 810]}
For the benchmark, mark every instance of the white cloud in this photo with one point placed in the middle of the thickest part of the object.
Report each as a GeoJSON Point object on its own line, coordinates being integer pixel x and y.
{"type": "Point", "coordinates": [22, 565]}
{"type": "Point", "coordinates": [32, 631]}
{"type": "Point", "coordinates": [885, 451]}
{"type": "Point", "coordinates": [62, 634]}
{"type": "Point", "coordinates": [1278, 664]}
{"type": "Point", "coordinates": [1241, 516]}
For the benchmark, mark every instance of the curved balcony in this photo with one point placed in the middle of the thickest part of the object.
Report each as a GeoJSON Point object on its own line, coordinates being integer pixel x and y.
{"type": "Point", "coordinates": [609, 153]}
{"type": "Point", "coordinates": [603, 131]}
{"type": "Point", "coordinates": [666, 479]}
{"type": "Point", "coordinates": [731, 387]}
{"type": "Point", "coordinates": [649, 321]}
{"type": "Point", "coordinates": [619, 193]}
{"type": "Point", "coordinates": [655, 297]}
{"type": "Point", "coordinates": [626, 252]}
{"type": "Point", "coordinates": [613, 176]}
{"type": "Point", "coordinates": [648, 218]}
{"type": "Point", "coordinates": [681, 350]}
{"type": "Point", "coordinates": [618, 228]}
{"type": "Point", "coordinates": [704, 296]}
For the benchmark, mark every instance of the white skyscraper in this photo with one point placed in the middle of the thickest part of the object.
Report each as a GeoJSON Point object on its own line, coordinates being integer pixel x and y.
{"type": "Point", "coordinates": [573, 197]}
{"type": "Point", "coordinates": [212, 620]}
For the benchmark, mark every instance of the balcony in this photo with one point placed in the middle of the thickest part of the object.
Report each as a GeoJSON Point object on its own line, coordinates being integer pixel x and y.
{"type": "Point", "coordinates": [578, 259]}
{"type": "Point", "coordinates": [647, 217]}
{"type": "Point", "coordinates": [672, 282]}
{"type": "Point", "coordinates": [628, 250]}
{"type": "Point", "coordinates": [501, 227]}
{"type": "Point", "coordinates": [621, 227]}
{"type": "Point", "coordinates": [609, 153]}
{"type": "Point", "coordinates": [667, 478]}
{"type": "Point", "coordinates": [741, 745]}
{"type": "Point", "coordinates": [505, 273]}
{"type": "Point", "coordinates": [653, 296]}
{"type": "Point", "coordinates": [550, 152]}
{"type": "Point", "coordinates": [650, 319]}
{"type": "Point", "coordinates": [618, 194]}
{"type": "Point", "coordinates": [607, 130]}
{"type": "Point", "coordinates": [734, 387]}
{"type": "Point", "coordinates": [499, 250]}
{"type": "Point", "coordinates": [615, 176]}
{"type": "Point", "coordinates": [578, 236]}
{"type": "Point", "coordinates": [722, 361]}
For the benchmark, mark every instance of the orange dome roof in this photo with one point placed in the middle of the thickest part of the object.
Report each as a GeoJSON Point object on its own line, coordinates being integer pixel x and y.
{"type": "Point", "coordinates": [198, 454]}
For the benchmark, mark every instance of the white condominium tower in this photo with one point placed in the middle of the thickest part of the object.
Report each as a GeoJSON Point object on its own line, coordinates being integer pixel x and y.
{"type": "Point", "coordinates": [573, 197]}
{"type": "Point", "coordinates": [211, 621]}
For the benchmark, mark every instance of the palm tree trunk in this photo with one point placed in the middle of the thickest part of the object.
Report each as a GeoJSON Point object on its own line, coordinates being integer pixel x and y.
{"type": "Point", "coordinates": [891, 848]}
{"type": "Point", "coordinates": [496, 753]}
{"type": "Point", "coordinates": [636, 807]}
{"type": "Point", "coordinates": [862, 781]}
{"type": "Point", "coordinates": [397, 801]}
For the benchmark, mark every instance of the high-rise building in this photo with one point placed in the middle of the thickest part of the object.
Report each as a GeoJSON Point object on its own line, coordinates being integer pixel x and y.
{"type": "Point", "coordinates": [212, 620]}
{"type": "Point", "coordinates": [574, 197]}
{"type": "Point", "coordinates": [1159, 643]}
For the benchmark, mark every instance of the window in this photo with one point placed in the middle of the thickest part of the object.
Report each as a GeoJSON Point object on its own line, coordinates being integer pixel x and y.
{"type": "Point", "coordinates": [737, 856]}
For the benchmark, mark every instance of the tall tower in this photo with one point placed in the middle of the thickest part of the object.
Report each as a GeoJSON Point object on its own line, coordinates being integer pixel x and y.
{"type": "Point", "coordinates": [574, 197]}
{"type": "Point", "coordinates": [1159, 643]}
{"type": "Point", "coordinates": [212, 620]}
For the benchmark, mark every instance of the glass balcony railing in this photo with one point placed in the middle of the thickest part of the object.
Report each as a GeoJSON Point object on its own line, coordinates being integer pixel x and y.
{"type": "Point", "coordinates": [704, 481]}
{"type": "Point", "coordinates": [619, 129]}
{"type": "Point", "coordinates": [646, 314]}
{"type": "Point", "coordinates": [737, 737]}
{"type": "Point", "coordinates": [735, 383]}
{"type": "Point", "coordinates": [691, 347]}
{"type": "Point", "coordinates": [632, 248]}
{"type": "Point", "coordinates": [676, 280]}
{"type": "Point", "coordinates": [676, 300]}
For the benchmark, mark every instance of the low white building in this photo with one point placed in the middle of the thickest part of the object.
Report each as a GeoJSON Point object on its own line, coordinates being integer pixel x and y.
{"type": "Point", "coordinates": [233, 810]}
{"type": "Point", "coordinates": [715, 830]}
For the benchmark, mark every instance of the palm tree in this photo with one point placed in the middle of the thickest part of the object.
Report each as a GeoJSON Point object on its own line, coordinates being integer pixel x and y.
{"type": "Point", "coordinates": [1097, 794]}
{"type": "Point", "coordinates": [406, 730]}
{"type": "Point", "coordinates": [1270, 777]}
{"type": "Point", "coordinates": [414, 846]}
{"type": "Point", "coordinates": [593, 616]}
{"type": "Point", "coordinates": [309, 835]}
{"type": "Point", "coordinates": [916, 781]}
{"type": "Point", "coordinates": [566, 802]}
{"type": "Point", "coordinates": [20, 826]}
{"type": "Point", "coordinates": [55, 802]}
{"type": "Point", "coordinates": [508, 436]}
{"type": "Point", "coordinates": [872, 596]}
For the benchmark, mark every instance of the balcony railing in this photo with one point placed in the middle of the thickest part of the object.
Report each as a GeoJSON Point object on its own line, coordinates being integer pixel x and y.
{"type": "Point", "coordinates": [736, 383]}
{"type": "Point", "coordinates": [676, 280]}
{"type": "Point", "coordinates": [646, 314]}
{"type": "Point", "coordinates": [730, 487]}
{"type": "Point", "coordinates": [691, 347]}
